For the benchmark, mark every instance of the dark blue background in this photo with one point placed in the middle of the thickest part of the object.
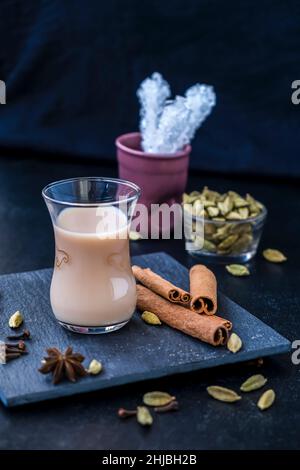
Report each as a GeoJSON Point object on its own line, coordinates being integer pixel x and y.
{"type": "Point", "coordinates": [72, 68]}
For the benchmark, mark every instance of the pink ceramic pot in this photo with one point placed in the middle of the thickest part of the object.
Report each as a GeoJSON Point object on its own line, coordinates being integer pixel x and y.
{"type": "Point", "coordinates": [162, 178]}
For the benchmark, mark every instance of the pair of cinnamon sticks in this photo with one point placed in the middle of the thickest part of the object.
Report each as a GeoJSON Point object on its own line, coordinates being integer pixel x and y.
{"type": "Point", "coordinates": [203, 288]}
{"type": "Point", "coordinates": [192, 313]}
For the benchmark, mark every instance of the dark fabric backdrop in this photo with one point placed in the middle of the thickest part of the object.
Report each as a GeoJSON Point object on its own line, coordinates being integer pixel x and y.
{"type": "Point", "coordinates": [72, 68]}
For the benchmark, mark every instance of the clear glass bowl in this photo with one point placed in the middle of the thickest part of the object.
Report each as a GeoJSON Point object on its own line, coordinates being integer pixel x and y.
{"type": "Point", "coordinates": [230, 241]}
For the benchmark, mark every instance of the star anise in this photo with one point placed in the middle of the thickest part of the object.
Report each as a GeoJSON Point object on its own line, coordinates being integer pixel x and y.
{"type": "Point", "coordinates": [67, 364]}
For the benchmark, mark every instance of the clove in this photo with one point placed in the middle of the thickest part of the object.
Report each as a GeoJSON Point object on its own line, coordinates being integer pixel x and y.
{"type": "Point", "coordinates": [11, 355]}
{"type": "Point", "coordinates": [22, 336]}
{"type": "Point", "coordinates": [11, 349]}
{"type": "Point", "coordinates": [20, 345]}
{"type": "Point", "coordinates": [123, 413]}
{"type": "Point", "coordinates": [14, 350]}
{"type": "Point", "coordinates": [172, 406]}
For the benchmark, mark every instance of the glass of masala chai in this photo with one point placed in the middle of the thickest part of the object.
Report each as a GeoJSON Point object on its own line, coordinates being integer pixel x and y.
{"type": "Point", "coordinates": [92, 289]}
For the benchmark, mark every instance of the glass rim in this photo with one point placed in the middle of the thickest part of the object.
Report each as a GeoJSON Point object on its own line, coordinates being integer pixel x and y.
{"type": "Point", "coordinates": [127, 183]}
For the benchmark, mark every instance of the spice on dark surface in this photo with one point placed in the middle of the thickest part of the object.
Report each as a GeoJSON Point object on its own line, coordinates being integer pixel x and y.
{"type": "Point", "coordinates": [10, 348]}
{"type": "Point", "coordinates": [21, 345]}
{"type": "Point", "coordinates": [157, 398]}
{"type": "Point", "coordinates": [14, 350]}
{"type": "Point", "coordinates": [274, 256]}
{"type": "Point", "coordinates": [22, 336]}
{"type": "Point", "coordinates": [11, 355]}
{"type": "Point", "coordinates": [16, 320]}
{"type": "Point", "coordinates": [144, 417]}
{"type": "Point", "coordinates": [234, 343]}
{"type": "Point", "coordinates": [123, 413]}
{"type": "Point", "coordinates": [223, 394]}
{"type": "Point", "coordinates": [173, 406]}
{"type": "Point", "coordinates": [254, 382]}
{"type": "Point", "coordinates": [67, 364]}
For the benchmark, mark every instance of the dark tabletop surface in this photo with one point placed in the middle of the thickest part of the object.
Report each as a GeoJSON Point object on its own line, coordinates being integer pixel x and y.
{"type": "Point", "coordinates": [271, 293]}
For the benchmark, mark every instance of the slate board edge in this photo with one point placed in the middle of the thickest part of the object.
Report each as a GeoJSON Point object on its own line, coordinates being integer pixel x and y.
{"type": "Point", "coordinates": [61, 391]}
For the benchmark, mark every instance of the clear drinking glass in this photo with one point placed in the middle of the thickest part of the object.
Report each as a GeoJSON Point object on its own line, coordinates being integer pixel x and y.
{"type": "Point", "coordinates": [92, 289]}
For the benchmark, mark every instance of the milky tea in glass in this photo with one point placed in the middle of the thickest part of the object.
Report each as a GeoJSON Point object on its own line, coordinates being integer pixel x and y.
{"type": "Point", "coordinates": [93, 289]}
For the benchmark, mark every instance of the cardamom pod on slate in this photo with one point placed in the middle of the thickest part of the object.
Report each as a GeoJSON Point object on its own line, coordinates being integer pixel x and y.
{"type": "Point", "coordinates": [144, 416]}
{"type": "Point", "coordinates": [237, 269]}
{"type": "Point", "coordinates": [253, 383]}
{"type": "Point", "coordinates": [157, 398]}
{"type": "Point", "coordinates": [266, 400]}
{"type": "Point", "coordinates": [16, 320]}
{"type": "Point", "coordinates": [228, 242]}
{"type": "Point", "coordinates": [209, 246]}
{"type": "Point", "coordinates": [223, 394]}
{"type": "Point", "coordinates": [274, 256]}
{"type": "Point", "coordinates": [95, 367]}
{"type": "Point", "coordinates": [234, 343]}
{"type": "Point", "coordinates": [150, 318]}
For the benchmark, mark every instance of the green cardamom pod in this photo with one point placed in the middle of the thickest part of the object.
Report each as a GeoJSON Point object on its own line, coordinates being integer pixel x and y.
{"type": "Point", "coordinates": [237, 269]}
{"type": "Point", "coordinates": [144, 416]}
{"type": "Point", "coordinates": [228, 242]}
{"type": "Point", "coordinates": [209, 246]}
{"type": "Point", "coordinates": [95, 367]}
{"type": "Point", "coordinates": [242, 243]}
{"type": "Point", "coordinates": [266, 400]}
{"type": "Point", "coordinates": [233, 194]}
{"type": "Point", "coordinates": [222, 233]}
{"type": "Point", "coordinates": [186, 198]}
{"type": "Point", "coordinates": [16, 320]}
{"type": "Point", "coordinates": [213, 211]}
{"type": "Point", "coordinates": [253, 383]}
{"type": "Point", "coordinates": [226, 206]}
{"type": "Point", "coordinates": [244, 212]}
{"type": "Point", "coordinates": [274, 256]}
{"type": "Point", "coordinates": [150, 318]}
{"type": "Point", "coordinates": [209, 194]}
{"type": "Point", "coordinates": [195, 194]}
{"type": "Point", "coordinates": [241, 228]}
{"type": "Point", "coordinates": [233, 215]}
{"type": "Point", "coordinates": [255, 207]}
{"type": "Point", "coordinates": [240, 202]}
{"type": "Point", "coordinates": [223, 394]}
{"type": "Point", "coordinates": [198, 208]}
{"type": "Point", "coordinates": [207, 204]}
{"type": "Point", "coordinates": [234, 343]}
{"type": "Point", "coordinates": [157, 398]}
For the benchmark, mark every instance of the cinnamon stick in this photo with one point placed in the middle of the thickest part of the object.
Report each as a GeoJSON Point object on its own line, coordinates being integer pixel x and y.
{"type": "Point", "coordinates": [210, 329]}
{"type": "Point", "coordinates": [161, 286]}
{"type": "Point", "coordinates": [203, 287]}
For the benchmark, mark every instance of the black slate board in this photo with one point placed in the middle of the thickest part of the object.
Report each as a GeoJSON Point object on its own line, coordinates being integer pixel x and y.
{"type": "Point", "coordinates": [128, 355]}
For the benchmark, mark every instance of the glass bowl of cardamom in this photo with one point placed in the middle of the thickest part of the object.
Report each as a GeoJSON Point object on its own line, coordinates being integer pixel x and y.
{"type": "Point", "coordinates": [226, 227]}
